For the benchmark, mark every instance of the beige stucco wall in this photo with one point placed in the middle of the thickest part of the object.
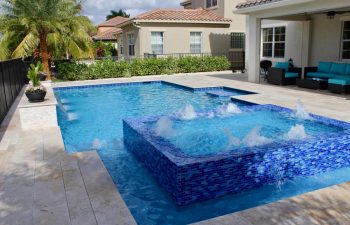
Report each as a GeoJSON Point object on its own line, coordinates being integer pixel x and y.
{"type": "Point", "coordinates": [215, 37]}
{"type": "Point", "coordinates": [294, 40]}
{"type": "Point", "coordinates": [128, 30]}
{"type": "Point", "coordinates": [225, 9]}
{"type": "Point", "coordinates": [326, 35]}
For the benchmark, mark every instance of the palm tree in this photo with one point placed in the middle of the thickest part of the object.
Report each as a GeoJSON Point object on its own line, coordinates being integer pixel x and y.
{"type": "Point", "coordinates": [75, 41]}
{"type": "Point", "coordinates": [114, 13]}
{"type": "Point", "coordinates": [47, 25]}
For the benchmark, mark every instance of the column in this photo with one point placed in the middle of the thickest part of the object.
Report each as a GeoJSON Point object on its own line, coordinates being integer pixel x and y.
{"type": "Point", "coordinates": [253, 40]}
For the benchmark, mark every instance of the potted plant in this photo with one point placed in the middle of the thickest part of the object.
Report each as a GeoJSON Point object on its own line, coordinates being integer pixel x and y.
{"type": "Point", "coordinates": [35, 91]}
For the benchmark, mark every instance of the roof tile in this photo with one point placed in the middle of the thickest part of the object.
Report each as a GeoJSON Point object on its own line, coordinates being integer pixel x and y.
{"type": "Point", "coordinates": [109, 34]}
{"type": "Point", "coordinates": [182, 15]}
{"type": "Point", "coordinates": [113, 22]}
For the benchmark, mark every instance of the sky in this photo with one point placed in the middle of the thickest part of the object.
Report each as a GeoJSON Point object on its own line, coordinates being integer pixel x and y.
{"type": "Point", "coordinates": [97, 10]}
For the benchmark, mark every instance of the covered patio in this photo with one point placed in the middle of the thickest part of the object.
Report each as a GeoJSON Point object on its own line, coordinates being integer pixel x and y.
{"type": "Point", "coordinates": [306, 31]}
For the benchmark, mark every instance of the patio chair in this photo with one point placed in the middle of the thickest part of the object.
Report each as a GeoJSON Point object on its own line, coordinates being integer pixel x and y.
{"type": "Point", "coordinates": [264, 66]}
{"type": "Point", "coordinates": [283, 74]}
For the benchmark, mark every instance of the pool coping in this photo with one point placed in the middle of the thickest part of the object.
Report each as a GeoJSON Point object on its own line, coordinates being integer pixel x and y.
{"type": "Point", "coordinates": [140, 83]}
{"type": "Point", "coordinates": [228, 218]}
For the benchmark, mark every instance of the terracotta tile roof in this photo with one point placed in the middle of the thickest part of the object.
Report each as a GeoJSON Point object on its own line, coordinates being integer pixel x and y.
{"type": "Point", "coordinates": [199, 15]}
{"type": "Point", "coordinates": [108, 35]}
{"type": "Point", "coordinates": [113, 22]}
{"type": "Point", "coordinates": [251, 3]}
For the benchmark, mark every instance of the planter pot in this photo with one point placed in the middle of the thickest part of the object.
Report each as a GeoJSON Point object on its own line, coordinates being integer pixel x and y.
{"type": "Point", "coordinates": [36, 97]}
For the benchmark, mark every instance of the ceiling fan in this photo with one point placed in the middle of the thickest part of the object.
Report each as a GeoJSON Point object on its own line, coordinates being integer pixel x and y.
{"type": "Point", "coordinates": [332, 14]}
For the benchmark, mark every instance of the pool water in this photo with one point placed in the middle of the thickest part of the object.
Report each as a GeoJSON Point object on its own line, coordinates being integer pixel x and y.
{"type": "Point", "coordinates": [216, 134]}
{"type": "Point", "coordinates": [91, 118]}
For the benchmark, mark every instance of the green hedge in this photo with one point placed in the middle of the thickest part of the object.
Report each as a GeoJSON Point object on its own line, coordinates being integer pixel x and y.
{"type": "Point", "coordinates": [141, 67]}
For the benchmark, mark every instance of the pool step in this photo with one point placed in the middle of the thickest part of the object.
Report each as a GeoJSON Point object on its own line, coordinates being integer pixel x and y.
{"type": "Point", "coordinates": [221, 93]}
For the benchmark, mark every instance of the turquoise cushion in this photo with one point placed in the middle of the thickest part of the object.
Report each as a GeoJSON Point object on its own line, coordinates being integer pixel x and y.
{"type": "Point", "coordinates": [347, 71]}
{"type": "Point", "coordinates": [341, 77]}
{"type": "Point", "coordinates": [338, 68]}
{"type": "Point", "coordinates": [339, 81]}
{"type": "Point", "coordinates": [291, 75]}
{"type": "Point", "coordinates": [282, 65]}
{"type": "Point", "coordinates": [324, 67]}
{"type": "Point", "coordinates": [320, 75]}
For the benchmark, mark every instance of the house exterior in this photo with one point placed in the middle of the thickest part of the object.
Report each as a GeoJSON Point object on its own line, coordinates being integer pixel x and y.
{"type": "Point", "coordinates": [200, 27]}
{"type": "Point", "coordinates": [108, 31]}
{"type": "Point", "coordinates": [308, 31]}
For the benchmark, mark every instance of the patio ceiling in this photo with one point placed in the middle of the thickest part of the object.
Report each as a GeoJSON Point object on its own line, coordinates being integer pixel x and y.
{"type": "Point", "coordinates": [279, 9]}
{"type": "Point", "coordinates": [307, 15]}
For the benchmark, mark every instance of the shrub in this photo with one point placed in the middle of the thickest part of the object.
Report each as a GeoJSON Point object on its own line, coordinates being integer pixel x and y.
{"type": "Point", "coordinates": [215, 63]}
{"type": "Point", "coordinates": [190, 64]}
{"type": "Point", "coordinates": [72, 71]}
{"type": "Point", "coordinates": [141, 67]}
{"type": "Point", "coordinates": [172, 65]}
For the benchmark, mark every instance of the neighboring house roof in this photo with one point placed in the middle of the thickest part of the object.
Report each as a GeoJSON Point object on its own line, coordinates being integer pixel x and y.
{"type": "Point", "coordinates": [108, 35]}
{"type": "Point", "coordinates": [251, 3]}
{"type": "Point", "coordinates": [178, 16]}
{"type": "Point", "coordinates": [113, 22]}
{"type": "Point", "coordinates": [182, 15]}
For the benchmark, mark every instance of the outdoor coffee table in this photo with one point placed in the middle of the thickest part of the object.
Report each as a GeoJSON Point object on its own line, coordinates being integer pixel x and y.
{"type": "Point", "coordinates": [313, 83]}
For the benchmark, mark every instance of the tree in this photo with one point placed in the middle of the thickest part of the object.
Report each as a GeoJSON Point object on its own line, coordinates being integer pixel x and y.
{"type": "Point", "coordinates": [74, 42]}
{"type": "Point", "coordinates": [120, 12]}
{"type": "Point", "coordinates": [49, 26]}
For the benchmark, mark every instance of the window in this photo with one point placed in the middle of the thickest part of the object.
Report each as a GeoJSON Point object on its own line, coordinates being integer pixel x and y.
{"type": "Point", "coordinates": [238, 40]}
{"type": "Point", "coordinates": [196, 42]}
{"type": "Point", "coordinates": [157, 42]}
{"type": "Point", "coordinates": [274, 42]}
{"type": "Point", "coordinates": [346, 41]}
{"type": "Point", "coordinates": [131, 44]}
{"type": "Point", "coordinates": [212, 3]}
{"type": "Point", "coordinates": [121, 46]}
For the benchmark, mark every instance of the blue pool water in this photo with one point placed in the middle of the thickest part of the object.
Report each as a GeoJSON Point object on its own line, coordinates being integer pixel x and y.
{"type": "Point", "coordinates": [212, 135]}
{"type": "Point", "coordinates": [91, 118]}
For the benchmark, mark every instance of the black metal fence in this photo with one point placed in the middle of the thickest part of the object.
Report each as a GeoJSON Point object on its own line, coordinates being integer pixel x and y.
{"type": "Point", "coordinates": [12, 79]}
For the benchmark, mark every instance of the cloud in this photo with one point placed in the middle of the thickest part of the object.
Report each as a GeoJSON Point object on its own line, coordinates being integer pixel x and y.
{"type": "Point", "coordinates": [97, 10]}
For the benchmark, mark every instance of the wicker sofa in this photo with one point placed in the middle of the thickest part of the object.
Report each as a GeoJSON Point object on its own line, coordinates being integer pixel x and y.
{"type": "Point", "coordinates": [337, 74]}
{"type": "Point", "coordinates": [282, 74]}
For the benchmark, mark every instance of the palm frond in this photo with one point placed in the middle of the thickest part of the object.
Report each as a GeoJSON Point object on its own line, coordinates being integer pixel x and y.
{"type": "Point", "coordinates": [26, 47]}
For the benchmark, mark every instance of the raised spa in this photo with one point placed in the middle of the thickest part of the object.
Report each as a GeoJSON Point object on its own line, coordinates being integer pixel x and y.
{"type": "Point", "coordinates": [214, 154]}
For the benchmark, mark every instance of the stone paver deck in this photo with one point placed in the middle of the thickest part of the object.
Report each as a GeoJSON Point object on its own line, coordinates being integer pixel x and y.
{"type": "Point", "coordinates": [40, 184]}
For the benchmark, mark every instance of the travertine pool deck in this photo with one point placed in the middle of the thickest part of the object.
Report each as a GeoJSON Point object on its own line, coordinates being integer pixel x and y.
{"type": "Point", "coordinates": [40, 184]}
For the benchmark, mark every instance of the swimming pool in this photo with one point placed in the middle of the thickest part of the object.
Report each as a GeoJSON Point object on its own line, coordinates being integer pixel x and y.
{"type": "Point", "coordinates": [91, 117]}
